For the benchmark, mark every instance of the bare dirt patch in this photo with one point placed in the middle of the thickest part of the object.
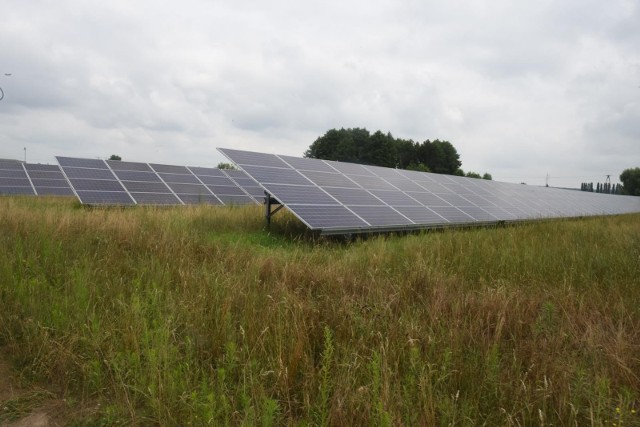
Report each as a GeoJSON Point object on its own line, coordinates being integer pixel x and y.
{"type": "Point", "coordinates": [23, 406]}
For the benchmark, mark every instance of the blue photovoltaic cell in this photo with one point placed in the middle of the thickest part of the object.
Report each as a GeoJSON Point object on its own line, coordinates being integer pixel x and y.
{"type": "Point", "coordinates": [228, 190]}
{"type": "Point", "coordinates": [478, 200]}
{"type": "Point", "coordinates": [420, 215]}
{"type": "Point", "coordinates": [118, 165]}
{"type": "Point", "coordinates": [189, 188]}
{"type": "Point", "coordinates": [16, 190]}
{"type": "Point", "coordinates": [353, 196]}
{"type": "Point", "coordinates": [428, 199]}
{"type": "Point", "coordinates": [477, 213]}
{"type": "Point", "coordinates": [145, 187]}
{"type": "Point", "coordinates": [385, 173]}
{"type": "Point", "coordinates": [198, 171]}
{"type": "Point", "coordinates": [334, 179]}
{"type": "Point", "coordinates": [372, 182]}
{"type": "Point", "coordinates": [155, 198]}
{"type": "Point", "coordinates": [460, 190]}
{"type": "Point", "coordinates": [54, 191]}
{"type": "Point", "coordinates": [328, 217]}
{"type": "Point", "coordinates": [73, 172]}
{"type": "Point", "coordinates": [350, 168]}
{"type": "Point", "coordinates": [170, 169]}
{"type": "Point", "coordinates": [245, 182]}
{"type": "Point", "coordinates": [49, 182]}
{"type": "Point", "coordinates": [174, 178]}
{"type": "Point", "coordinates": [307, 164]}
{"type": "Point", "coordinates": [234, 173]}
{"type": "Point", "coordinates": [137, 176]}
{"type": "Point", "coordinates": [81, 163]}
{"type": "Point", "coordinates": [276, 175]}
{"type": "Point", "coordinates": [104, 197]}
{"type": "Point", "coordinates": [405, 184]}
{"type": "Point", "coordinates": [395, 198]}
{"type": "Point", "coordinates": [300, 194]}
{"type": "Point", "coordinates": [256, 159]}
{"type": "Point", "coordinates": [198, 199]}
{"type": "Point", "coordinates": [380, 216]}
{"type": "Point", "coordinates": [37, 167]}
{"type": "Point", "coordinates": [452, 214]}
{"type": "Point", "coordinates": [454, 199]}
{"type": "Point", "coordinates": [216, 180]}
{"type": "Point", "coordinates": [96, 185]}
{"type": "Point", "coordinates": [44, 174]}
{"type": "Point", "coordinates": [236, 200]}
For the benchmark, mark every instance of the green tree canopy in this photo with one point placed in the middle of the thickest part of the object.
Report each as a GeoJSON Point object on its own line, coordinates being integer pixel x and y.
{"type": "Point", "coordinates": [357, 145]}
{"type": "Point", "coordinates": [115, 157]}
{"type": "Point", "coordinates": [223, 165]}
{"type": "Point", "coordinates": [630, 179]}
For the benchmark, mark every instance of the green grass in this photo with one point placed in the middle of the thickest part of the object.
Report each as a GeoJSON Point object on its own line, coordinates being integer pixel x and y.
{"type": "Point", "coordinates": [198, 316]}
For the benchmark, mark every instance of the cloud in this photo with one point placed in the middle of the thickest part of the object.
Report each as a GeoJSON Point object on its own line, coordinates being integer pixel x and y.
{"type": "Point", "coordinates": [521, 89]}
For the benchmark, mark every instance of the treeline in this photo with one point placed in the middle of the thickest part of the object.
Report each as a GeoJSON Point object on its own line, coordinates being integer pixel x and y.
{"type": "Point", "coordinates": [358, 145]}
{"type": "Point", "coordinates": [630, 186]}
{"type": "Point", "coordinates": [606, 188]}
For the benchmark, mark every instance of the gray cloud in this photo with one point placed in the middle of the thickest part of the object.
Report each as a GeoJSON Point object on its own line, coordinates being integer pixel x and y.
{"type": "Point", "coordinates": [521, 89]}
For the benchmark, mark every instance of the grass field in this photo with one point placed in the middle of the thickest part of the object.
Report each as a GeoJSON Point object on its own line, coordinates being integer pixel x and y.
{"type": "Point", "coordinates": [197, 316]}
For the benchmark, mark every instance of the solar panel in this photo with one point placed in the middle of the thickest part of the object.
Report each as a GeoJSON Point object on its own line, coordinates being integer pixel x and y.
{"type": "Point", "coordinates": [34, 179]}
{"type": "Point", "coordinates": [110, 182]}
{"type": "Point", "coordinates": [338, 197]}
{"type": "Point", "coordinates": [14, 179]}
{"type": "Point", "coordinates": [9, 165]}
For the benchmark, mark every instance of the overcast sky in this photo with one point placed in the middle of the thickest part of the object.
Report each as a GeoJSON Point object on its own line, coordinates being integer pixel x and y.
{"type": "Point", "coordinates": [521, 89]}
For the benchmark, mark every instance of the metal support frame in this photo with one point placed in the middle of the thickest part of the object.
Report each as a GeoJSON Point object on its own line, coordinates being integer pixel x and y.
{"type": "Point", "coordinates": [268, 202]}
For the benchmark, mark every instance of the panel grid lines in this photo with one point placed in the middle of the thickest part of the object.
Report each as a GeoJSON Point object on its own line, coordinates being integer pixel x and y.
{"type": "Point", "coordinates": [151, 183]}
{"type": "Point", "coordinates": [388, 199]}
{"type": "Point", "coordinates": [381, 183]}
{"type": "Point", "coordinates": [330, 195]}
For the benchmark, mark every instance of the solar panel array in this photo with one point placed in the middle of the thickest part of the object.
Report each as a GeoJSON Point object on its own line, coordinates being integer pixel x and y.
{"type": "Point", "coordinates": [111, 182]}
{"type": "Point", "coordinates": [336, 197]}
{"type": "Point", "coordinates": [32, 179]}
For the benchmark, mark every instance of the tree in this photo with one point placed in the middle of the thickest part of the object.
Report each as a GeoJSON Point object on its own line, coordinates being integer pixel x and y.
{"type": "Point", "coordinates": [405, 153]}
{"type": "Point", "coordinates": [473, 175]}
{"type": "Point", "coordinates": [439, 156]}
{"type": "Point", "coordinates": [630, 179]}
{"type": "Point", "coordinates": [487, 176]}
{"type": "Point", "coordinates": [223, 165]}
{"type": "Point", "coordinates": [115, 157]}
{"type": "Point", "coordinates": [357, 145]}
{"type": "Point", "coordinates": [381, 152]}
{"type": "Point", "coordinates": [420, 167]}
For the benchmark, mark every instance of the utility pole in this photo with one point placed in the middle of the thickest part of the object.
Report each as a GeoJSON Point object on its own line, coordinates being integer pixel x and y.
{"type": "Point", "coordinates": [547, 180]}
{"type": "Point", "coordinates": [25, 154]}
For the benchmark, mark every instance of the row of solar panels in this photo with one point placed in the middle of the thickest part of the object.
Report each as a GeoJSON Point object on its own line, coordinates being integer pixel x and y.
{"type": "Point", "coordinates": [111, 182]}
{"type": "Point", "coordinates": [331, 197]}
{"type": "Point", "coordinates": [336, 197]}
{"type": "Point", "coordinates": [107, 182]}
{"type": "Point", "coordinates": [33, 179]}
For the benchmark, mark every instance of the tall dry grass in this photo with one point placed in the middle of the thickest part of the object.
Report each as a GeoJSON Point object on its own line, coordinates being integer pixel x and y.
{"type": "Point", "coordinates": [199, 316]}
